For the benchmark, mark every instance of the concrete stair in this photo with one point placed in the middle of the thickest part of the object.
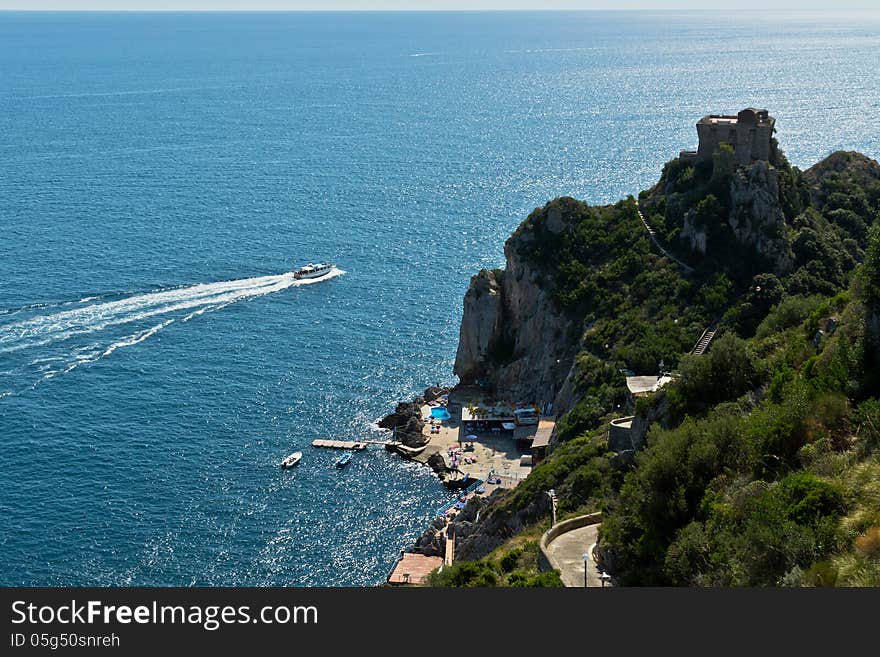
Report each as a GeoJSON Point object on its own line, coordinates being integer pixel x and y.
{"type": "Point", "coordinates": [703, 343]}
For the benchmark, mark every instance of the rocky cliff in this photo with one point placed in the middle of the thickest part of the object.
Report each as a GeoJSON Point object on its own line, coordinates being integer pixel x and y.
{"type": "Point", "coordinates": [728, 213]}
{"type": "Point", "coordinates": [584, 296]}
{"type": "Point", "coordinates": [756, 215]}
{"type": "Point", "coordinates": [512, 334]}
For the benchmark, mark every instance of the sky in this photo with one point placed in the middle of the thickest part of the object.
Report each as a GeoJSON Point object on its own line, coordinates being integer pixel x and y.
{"type": "Point", "coordinates": [433, 4]}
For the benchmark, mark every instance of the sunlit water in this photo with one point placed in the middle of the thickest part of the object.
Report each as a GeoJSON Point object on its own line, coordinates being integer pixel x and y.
{"type": "Point", "coordinates": [161, 175]}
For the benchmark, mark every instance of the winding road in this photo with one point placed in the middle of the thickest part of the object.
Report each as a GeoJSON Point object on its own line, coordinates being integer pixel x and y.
{"type": "Point", "coordinates": [566, 554]}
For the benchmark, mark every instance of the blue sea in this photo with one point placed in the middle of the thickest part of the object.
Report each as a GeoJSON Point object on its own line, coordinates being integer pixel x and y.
{"type": "Point", "coordinates": [161, 175]}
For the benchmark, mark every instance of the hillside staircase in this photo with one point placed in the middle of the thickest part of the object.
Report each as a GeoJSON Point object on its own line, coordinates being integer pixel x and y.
{"type": "Point", "coordinates": [652, 235]}
{"type": "Point", "coordinates": [703, 343]}
{"type": "Point", "coordinates": [449, 553]}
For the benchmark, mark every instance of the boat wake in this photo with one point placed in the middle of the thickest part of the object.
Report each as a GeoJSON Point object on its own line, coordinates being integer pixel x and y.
{"type": "Point", "coordinates": [65, 336]}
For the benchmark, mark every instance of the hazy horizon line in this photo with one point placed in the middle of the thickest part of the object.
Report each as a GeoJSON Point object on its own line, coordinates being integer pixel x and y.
{"type": "Point", "coordinates": [191, 10]}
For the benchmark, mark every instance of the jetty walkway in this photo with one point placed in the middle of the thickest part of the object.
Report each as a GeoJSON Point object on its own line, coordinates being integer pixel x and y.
{"type": "Point", "coordinates": [347, 444]}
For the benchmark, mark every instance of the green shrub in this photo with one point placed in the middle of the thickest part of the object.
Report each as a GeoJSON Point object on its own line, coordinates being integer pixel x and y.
{"type": "Point", "coordinates": [510, 560]}
{"type": "Point", "coordinates": [790, 312]}
{"type": "Point", "coordinates": [821, 573]}
{"type": "Point", "coordinates": [547, 579]}
{"type": "Point", "coordinates": [466, 574]}
{"type": "Point", "coordinates": [723, 374]}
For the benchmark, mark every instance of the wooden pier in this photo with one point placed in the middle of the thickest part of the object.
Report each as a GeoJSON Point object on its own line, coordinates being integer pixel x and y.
{"type": "Point", "coordinates": [339, 444]}
{"type": "Point", "coordinates": [347, 444]}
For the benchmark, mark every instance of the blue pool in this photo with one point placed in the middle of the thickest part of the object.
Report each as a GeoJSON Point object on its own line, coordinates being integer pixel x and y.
{"type": "Point", "coordinates": [440, 413]}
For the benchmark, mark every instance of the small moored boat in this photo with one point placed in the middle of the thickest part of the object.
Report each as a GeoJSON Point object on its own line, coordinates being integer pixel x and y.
{"type": "Point", "coordinates": [292, 460]}
{"type": "Point", "coordinates": [313, 271]}
{"type": "Point", "coordinates": [343, 460]}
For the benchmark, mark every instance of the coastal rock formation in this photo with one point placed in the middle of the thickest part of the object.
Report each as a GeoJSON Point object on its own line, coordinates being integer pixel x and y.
{"type": "Point", "coordinates": [432, 543]}
{"type": "Point", "coordinates": [402, 414]}
{"type": "Point", "coordinates": [756, 214]}
{"type": "Point", "coordinates": [411, 434]}
{"type": "Point", "coordinates": [586, 298]}
{"type": "Point", "coordinates": [437, 463]}
{"type": "Point", "coordinates": [480, 326]}
{"type": "Point", "coordinates": [407, 422]}
{"type": "Point", "coordinates": [512, 335]}
{"type": "Point", "coordinates": [476, 536]}
{"type": "Point", "coordinates": [433, 393]}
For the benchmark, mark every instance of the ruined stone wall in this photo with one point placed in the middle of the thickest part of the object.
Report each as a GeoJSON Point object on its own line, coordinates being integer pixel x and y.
{"type": "Point", "coordinates": [750, 141]}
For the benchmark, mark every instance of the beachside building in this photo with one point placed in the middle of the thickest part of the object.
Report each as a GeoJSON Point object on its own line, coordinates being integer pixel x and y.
{"type": "Point", "coordinates": [541, 440]}
{"type": "Point", "coordinates": [748, 132]}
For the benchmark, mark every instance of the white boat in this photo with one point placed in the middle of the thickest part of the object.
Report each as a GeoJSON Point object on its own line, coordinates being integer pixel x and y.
{"type": "Point", "coordinates": [292, 460]}
{"type": "Point", "coordinates": [313, 271]}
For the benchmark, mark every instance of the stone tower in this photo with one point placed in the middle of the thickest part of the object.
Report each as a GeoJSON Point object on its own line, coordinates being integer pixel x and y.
{"type": "Point", "coordinates": [749, 133]}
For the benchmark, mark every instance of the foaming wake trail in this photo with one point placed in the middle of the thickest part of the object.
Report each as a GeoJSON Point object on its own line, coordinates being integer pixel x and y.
{"type": "Point", "coordinates": [54, 332]}
{"type": "Point", "coordinates": [45, 329]}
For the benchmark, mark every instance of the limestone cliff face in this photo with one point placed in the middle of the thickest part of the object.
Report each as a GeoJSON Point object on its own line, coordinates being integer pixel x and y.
{"type": "Point", "coordinates": [695, 236]}
{"type": "Point", "coordinates": [756, 217]}
{"type": "Point", "coordinates": [480, 324]}
{"type": "Point", "coordinates": [756, 214]}
{"type": "Point", "coordinates": [512, 335]}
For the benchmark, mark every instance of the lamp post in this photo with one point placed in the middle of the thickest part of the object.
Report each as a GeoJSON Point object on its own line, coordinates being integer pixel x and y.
{"type": "Point", "coordinates": [552, 495]}
{"type": "Point", "coordinates": [586, 561]}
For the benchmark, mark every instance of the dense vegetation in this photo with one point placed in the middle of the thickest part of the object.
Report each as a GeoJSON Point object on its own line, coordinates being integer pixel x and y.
{"type": "Point", "coordinates": [761, 464]}
{"type": "Point", "coordinates": [515, 564]}
{"type": "Point", "coordinates": [637, 308]}
{"type": "Point", "coordinates": [780, 485]}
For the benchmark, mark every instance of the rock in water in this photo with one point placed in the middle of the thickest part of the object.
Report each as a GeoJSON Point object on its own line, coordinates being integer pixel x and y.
{"type": "Point", "coordinates": [411, 433]}
{"type": "Point", "coordinates": [402, 414]}
{"type": "Point", "coordinates": [435, 392]}
{"type": "Point", "coordinates": [437, 463]}
{"type": "Point", "coordinates": [432, 543]}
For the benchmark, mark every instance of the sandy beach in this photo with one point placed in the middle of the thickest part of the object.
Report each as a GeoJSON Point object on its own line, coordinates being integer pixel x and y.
{"type": "Point", "coordinates": [496, 452]}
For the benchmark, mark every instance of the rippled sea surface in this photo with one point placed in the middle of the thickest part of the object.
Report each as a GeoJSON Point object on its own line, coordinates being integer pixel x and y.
{"type": "Point", "coordinates": [160, 174]}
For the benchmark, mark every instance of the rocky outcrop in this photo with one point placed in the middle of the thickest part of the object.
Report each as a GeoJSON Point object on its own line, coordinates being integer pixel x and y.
{"type": "Point", "coordinates": [693, 235]}
{"type": "Point", "coordinates": [478, 530]}
{"type": "Point", "coordinates": [437, 463]}
{"type": "Point", "coordinates": [407, 422]}
{"type": "Point", "coordinates": [512, 335]}
{"type": "Point", "coordinates": [432, 543]}
{"type": "Point", "coordinates": [480, 326]}
{"type": "Point", "coordinates": [433, 393]}
{"type": "Point", "coordinates": [756, 215]}
{"type": "Point", "coordinates": [402, 414]}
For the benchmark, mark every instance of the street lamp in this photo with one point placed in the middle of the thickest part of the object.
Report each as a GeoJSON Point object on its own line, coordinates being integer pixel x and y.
{"type": "Point", "coordinates": [586, 561]}
{"type": "Point", "coordinates": [552, 495]}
